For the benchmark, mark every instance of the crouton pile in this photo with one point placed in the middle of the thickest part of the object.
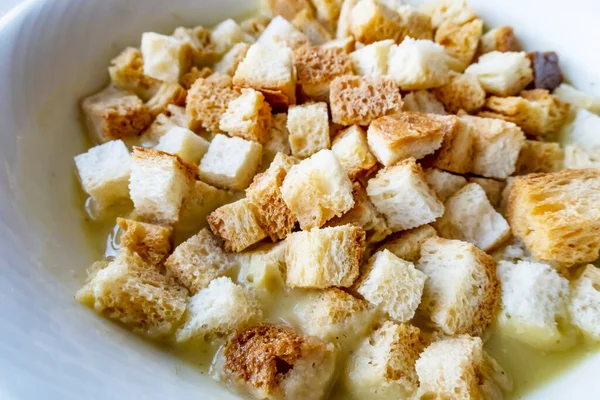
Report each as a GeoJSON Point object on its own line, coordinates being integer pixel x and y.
{"type": "Point", "coordinates": [348, 193]}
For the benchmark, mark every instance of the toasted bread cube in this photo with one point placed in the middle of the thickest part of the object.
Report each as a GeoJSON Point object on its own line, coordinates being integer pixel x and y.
{"type": "Point", "coordinates": [135, 293]}
{"type": "Point", "coordinates": [579, 157]}
{"type": "Point", "coordinates": [502, 74]}
{"type": "Point", "coordinates": [456, 152]}
{"type": "Point", "coordinates": [201, 201]}
{"type": "Point", "coordinates": [372, 59]}
{"type": "Point", "coordinates": [104, 172]}
{"type": "Point", "coordinates": [277, 139]}
{"type": "Point", "coordinates": [253, 360]}
{"type": "Point", "coordinates": [492, 188]}
{"type": "Point", "coordinates": [226, 34]}
{"type": "Point", "coordinates": [248, 116]}
{"type": "Point", "coordinates": [461, 291]}
{"type": "Point", "coordinates": [207, 101]}
{"type": "Point", "coordinates": [230, 61]}
{"type": "Point", "coordinates": [418, 24]}
{"type": "Point", "coordinates": [283, 33]}
{"type": "Point", "coordinates": [470, 216]}
{"type": "Point", "coordinates": [407, 244]}
{"type": "Point", "coordinates": [501, 39]}
{"type": "Point", "coordinates": [328, 12]}
{"type": "Point", "coordinates": [424, 102]}
{"type": "Point", "coordinates": [288, 9]}
{"type": "Point", "coordinates": [460, 41]}
{"type": "Point", "coordinates": [317, 189]}
{"type": "Point", "coordinates": [371, 21]}
{"type": "Point", "coordinates": [306, 22]}
{"type": "Point", "coordinates": [557, 214]}
{"type": "Point", "coordinates": [165, 57]}
{"type": "Point", "coordinates": [393, 285]}
{"type": "Point", "coordinates": [317, 67]}
{"type": "Point", "coordinates": [230, 163]}
{"type": "Point", "coordinates": [269, 68]}
{"type": "Point", "coordinates": [188, 79]}
{"type": "Point", "coordinates": [418, 64]}
{"type": "Point", "coordinates": [584, 303]}
{"type": "Point", "coordinates": [462, 92]}
{"type": "Point", "coordinates": [496, 146]}
{"type": "Point", "coordinates": [346, 44]}
{"type": "Point", "coordinates": [568, 94]}
{"type": "Point", "coordinates": [112, 114]}
{"type": "Point", "coordinates": [308, 126]}
{"type": "Point", "coordinates": [455, 11]}
{"type": "Point", "coordinates": [403, 196]}
{"type": "Point", "coordinates": [237, 224]}
{"type": "Point", "coordinates": [534, 304]}
{"type": "Point", "coordinates": [256, 24]}
{"type": "Point", "coordinates": [383, 364]}
{"type": "Point", "coordinates": [158, 184]}
{"type": "Point", "coordinates": [536, 156]}
{"type": "Point", "coordinates": [184, 143]}
{"type": "Point", "coordinates": [169, 93]}
{"type": "Point", "coordinates": [149, 241]}
{"type": "Point", "coordinates": [127, 72]}
{"type": "Point", "coordinates": [344, 22]}
{"type": "Point", "coordinates": [352, 150]}
{"type": "Point", "coordinates": [584, 129]}
{"type": "Point", "coordinates": [443, 183]}
{"type": "Point", "coordinates": [201, 44]}
{"type": "Point", "coordinates": [262, 269]}
{"type": "Point", "coordinates": [322, 258]}
{"type": "Point", "coordinates": [409, 134]}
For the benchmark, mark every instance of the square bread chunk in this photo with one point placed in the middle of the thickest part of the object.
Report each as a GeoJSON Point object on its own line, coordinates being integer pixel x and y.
{"type": "Point", "coordinates": [579, 157]}
{"type": "Point", "coordinates": [417, 23]}
{"type": "Point", "coordinates": [237, 225]}
{"type": "Point", "coordinates": [248, 116]}
{"type": "Point", "coordinates": [372, 59]}
{"type": "Point", "coordinates": [230, 61]}
{"type": "Point", "coordinates": [501, 39]}
{"type": "Point", "coordinates": [149, 241]}
{"type": "Point", "coordinates": [534, 304]}
{"type": "Point", "coordinates": [456, 11]}
{"type": "Point", "coordinates": [403, 196]}
{"type": "Point", "coordinates": [201, 201]}
{"type": "Point", "coordinates": [277, 139]}
{"type": "Point", "coordinates": [557, 214]}
{"type": "Point", "coordinates": [371, 21]}
{"type": "Point", "coordinates": [407, 244]}
{"type": "Point", "coordinates": [456, 153]}
{"type": "Point", "coordinates": [184, 143]}
{"type": "Point", "coordinates": [218, 310]}
{"type": "Point", "coordinates": [317, 189]}
{"type": "Point", "coordinates": [537, 156]}
{"type": "Point", "coordinates": [317, 67]}
{"type": "Point", "coordinates": [135, 293]}
{"type": "Point", "coordinates": [461, 42]}
{"type": "Point", "coordinates": [168, 93]}
{"type": "Point", "coordinates": [281, 32]}
{"type": "Point", "coordinates": [201, 43]}
{"type": "Point", "coordinates": [418, 64]}
{"type": "Point", "coordinates": [462, 92]}
{"type": "Point", "coordinates": [583, 130]}
{"type": "Point", "coordinates": [230, 162]}
{"type": "Point", "coordinates": [360, 100]}
{"type": "Point", "coordinates": [393, 285]}
{"type": "Point", "coordinates": [226, 35]}
{"type": "Point", "coordinates": [404, 135]}
{"type": "Point", "coordinates": [253, 361]}
{"type": "Point", "coordinates": [127, 73]}
{"type": "Point", "coordinates": [584, 303]}
{"type": "Point", "coordinates": [308, 127]}
{"type": "Point", "coordinates": [492, 188]}
{"type": "Point", "coordinates": [424, 102]}
{"type": "Point", "coordinates": [443, 183]}
{"type": "Point", "coordinates": [199, 260]}
{"type": "Point", "coordinates": [165, 58]}
{"type": "Point", "coordinates": [352, 151]}
{"type": "Point", "coordinates": [158, 184]}
{"type": "Point", "coordinates": [461, 290]}
{"type": "Point", "coordinates": [104, 172]}
{"type": "Point", "coordinates": [503, 74]}
{"type": "Point", "coordinates": [576, 98]}
{"type": "Point", "coordinates": [383, 365]}
{"type": "Point", "coordinates": [470, 216]}
{"type": "Point", "coordinates": [322, 258]}
{"type": "Point", "coordinates": [262, 269]}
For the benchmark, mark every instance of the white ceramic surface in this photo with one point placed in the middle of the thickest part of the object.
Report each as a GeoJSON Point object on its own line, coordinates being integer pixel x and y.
{"type": "Point", "coordinates": [51, 54]}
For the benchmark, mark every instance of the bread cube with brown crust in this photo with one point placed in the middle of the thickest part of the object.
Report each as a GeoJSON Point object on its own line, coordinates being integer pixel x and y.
{"type": "Point", "coordinates": [230, 61]}
{"type": "Point", "coordinates": [492, 188]}
{"type": "Point", "coordinates": [308, 127]}
{"type": "Point", "coordinates": [537, 156]}
{"type": "Point", "coordinates": [462, 92]}
{"type": "Point", "coordinates": [323, 258]}
{"type": "Point", "coordinates": [344, 22]}
{"type": "Point", "coordinates": [352, 151]}
{"type": "Point", "coordinates": [237, 225]}
{"type": "Point", "coordinates": [424, 102]}
{"type": "Point", "coordinates": [460, 41]}
{"type": "Point", "coordinates": [149, 241]}
{"type": "Point", "coordinates": [557, 215]}
{"type": "Point", "coordinates": [188, 79]}
{"type": "Point", "coordinates": [288, 9]}
{"type": "Point", "coordinates": [443, 183]}
{"type": "Point", "coordinates": [503, 74]}
{"type": "Point", "coordinates": [371, 21]}
{"type": "Point", "coordinates": [127, 73]}
{"type": "Point", "coordinates": [168, 93]}
{"type": "Point", "coordinates": [407, 244]}
{"type": "Point", "coordinates": [207, 101]}
{"type": "Point", "coordinates": [417, 23]}
{"type": "Point", "coordinates": [579, 157]}
{"type": "Point", "coordinates": [256, 25]}
{"type": "Point", "coordinates": [360, 100]}
{"type": "Point", "coordinates": [584, 303]}
{"type": "Point", "coordinates": [316, 32]}
{"type": "Point", "coordinates": [328, 12]}
{"type": "Point", "coordinates": [418, 64]}
{"type": "Point", "coordinates": [455, 11]}
{"type": "Point", "coordinates": [283, 33]}
{"type": "Point", "coordinates": [456, 152]}
{"type": "Point", "coordinates": [248, 116]}
{"type": "Point", "coordinates": [262, 269]}
{"type": "Point", "coordinates": [501, 39]}
{"type": "Point", "coordinates": [203, 48]}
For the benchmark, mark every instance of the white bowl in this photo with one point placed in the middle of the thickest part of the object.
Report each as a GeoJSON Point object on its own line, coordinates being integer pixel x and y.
{"type": "Point", "coordinates": [51, 54]}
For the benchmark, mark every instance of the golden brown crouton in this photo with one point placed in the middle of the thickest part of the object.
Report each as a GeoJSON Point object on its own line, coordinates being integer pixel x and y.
{"type": "Point", "coordinates": [418, 24]}
{"type": "Point", "coordinates": [188, 79]}
{"type": "Point", "coordinates": [127, 73]}
{"type": "Point", "coordinates": [460, 41]}
{"type": "Point", "coordinates": [456, 153]}
{"type": "Point", "coordinates": [536, 156]}
{"type": "Point", "coordinates": [151, 242]}
{"type": "Point", "coordinates": [371, 21]}
{"type": "Point", "coordinates": [455, 11]}
{"type": "Point", "coordinates": [501, 39]}
{"type": "Point", "coordinates": [248, 116]}
{"type": "Point", "coordinates": [237, 225]}
{"type": "Point", "coordinates": [199, 39]}
{"type": "Point", "coordinates": [328, 12]}
{"type": "Point", "coordinates": [288, 9]}
{"type": "Point", "coordinates": [169, 93]}
{"type": "Point", "coordinates": [352, 150]}
{"type": "Point", "coordinates": [462, 92]}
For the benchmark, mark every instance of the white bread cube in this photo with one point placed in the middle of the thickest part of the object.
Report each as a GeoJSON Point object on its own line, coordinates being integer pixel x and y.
{"type": "Point", "coordinates": [248, 116]}
{"type": "Point", "coordinates": [317, 189]}
{"type": "Point", "coordinates": [352, 151]}
{"type": "Point", "coordinates": [372, 59]}
{"type": "Point", "coordinates": [158, 184]}
{"type": "Point", "coordinates": [277, 139]}
{"type": "Point", "coordinates": [104, 172]}
{"type": "Point", "coordinates": [577, 98]}
{"type": "Point", "coordinates": [423, 101]}
{"type": "Point", "coordinates": [492, 188]}
{"type": "Point", "coordinates": [226, 34]}
{"type": "Point", "coordinates": [584, 129]}
{"type": "Point", "coordinates": [584, 303]}
{"type": "Point", "coordinates": [322, 258]}
{"type": "Point", "coordinates": [149, 241]}
{"type": "Point", "coordinates": [502, 38]}
{"type": "Point", "coordinates": [280, 31]}
{"type": "Point", "coordinates": [461, 291]}
{"type": "Point", "coordinates": [344, 22]}
{"type": "Point", "coordinates": [308, 126]}
{"type": "Point", "coordinates": [262, 269]}
{"type": "Point", "coordinates": [230, 61]}
{"type": "Point", "coordinates": [404, 135]}
{"type": "Point", "coordinates": [393, 285]}
{"type": "Point", "coordinates": [165, 57]}
{"type": "Point", "coordinates": [230, 163]}
{"type": "Point", "coordinates": [127, 73]}
{"type": "Point", "coordinates": [383, 364]}
{"type": "Point", "coordinates": [407, 244]}
{"type": "Point", "coordinates": [578, 157]}
{"type": "Point", "coordinates": [537, 156]}
{"type": "Point", "coordinates": [218, 310]}
{"type": "Point", "coordinates": [455, 11]}
{"type": "Point", "coordinates": [502, 74]}
{"type": "Point", "coordinates": [403, 196]}
{"type": "Point", "coordinates": [418, 64]}
{"type": "Point", "coordinates": [469, 216]}
{"type": "Point", "coordinates": [443, 183]}
{"type": "Point", "coordinates": [237, 225]}
{"type": "Point", "coordinates": [201, 201]}
{"type": "Point", "coordinates": [534, 304]}
{"type": "Point", "coordinates": [161, 125]}
{"type": "Point", "coordinates": [184, 143]}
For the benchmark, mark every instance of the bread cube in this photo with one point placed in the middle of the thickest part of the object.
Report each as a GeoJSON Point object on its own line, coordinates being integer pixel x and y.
{"type": "Point", "coordinates": [230, 61]}
{"type": "Point", "coordinates": [188, 79]}
{"type": "Point", "coordinates": [253, 360]}
{"type": "Point", "coordinates": [328, 12]}
{"type": "Point", "coordinates": [317, 189]}
{"type": "Point", "coordinates": [461, 42]}
{"type": "Point", "coordinates": [165, 57]}
{"type": "Point", "coordinates": [200, 42]}
{"type": "Point", "coordinates": [283, 33]}
{"type": "Point", "coordinates": [455, 11]}
{"type": "Point", "coordinates": [308, 126]}
{"type": "Point", "coordinates": [184, 143]}
{"type": "Point", "coordinates": [371, 21]}
{"type": "Point", "coordinates": [346, 44]}
{"type": "Point", "coordinates": [157, 129]}
{"type": "Point", "coordinates": [277, 139]}
{"type": "Point", "coordinates": [417, 23]}
{"type": "Point", "coordinates": [248, 116]}
{"type": "Point", "coordinates": [557, 214]}
{"type": "Point", "coordinates": [418, 64]}
{"type": "Point", "coordinates": [226, 34]}
{"type": "Point", "coordinates": [393, 285]}
{"type": "Point", "coordinates": [456, 152]}
{"type": "Point", "coordinates": [104, 172]}
{"type": "Point", "coordinates": [469, 216]}
{"type": "Point", "coordinates": [409, 134]}
{"type": "Point", "coordinates": [352, 151]}
{"type": "Point", "coordinates": [501, 39]}
{"type": "Point", "coordinates": [584, 303]}
{"type": "Point", "coordinates": [286, 8]}
{"type": "Point", "coordinates": [323, 258]}
{"type": "Point", "coordinates": [344, 22]}
{"type": "Point", "coordinates": [372, 59]}
{"type": "Point", "coordinates": [255, 25]}
{"type": "Point", "coordinates": [424, 102]}
{"type": "Point", "coordinates": [407, 244]}
{"type": "Point", "coordinates": [262, 268]}
{"type": "Point", "coordinates": [383, 364]}
{"type": "Point", "coordinates": [536, 156]}
{"type": "Point", "coordinates": [135, 293]}
{"type": "Point", "coordinates": [443, 183]}
{"type": "Point", "coordinates": [127, 73]}
{"type": "Point", "coordinates": [568, 94]}
{"type": "Point", "coordinates": [317, 67]}
{"type": "Point", "coordinates": [149, 241]}
{"type": "Point", "coordinates": [269, 68]}
{"type": "Point", "coordinates": [360, 100]}
{"type": "Point", "coordinates": [462, 92]}
{"type": "Point", "coordinates": [169, 93]}
{"type": "Point", "coordinates": [496, 146]}
{"type": "Point", "coordinates": [502, 74]}
{"type": "Point", "coordinates": [237, 224]}
{"type": "Point", "coordinates": [403, 196]}
{"type": "Point", "coordinates": [314, 30]}
{"type": "Point", "coordinates": [492, 188]}
{"type": "Point", "coordinates": [584, 129]}
{"type": "Point", "coordinates": [112, 114]}
{"type": "Point", "coordinates": [534, 304]}
{"type": "Point", "coordinates": [579, 157]}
